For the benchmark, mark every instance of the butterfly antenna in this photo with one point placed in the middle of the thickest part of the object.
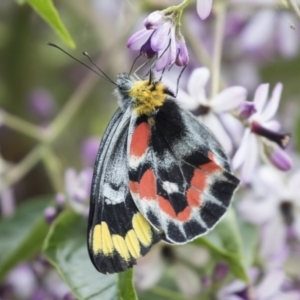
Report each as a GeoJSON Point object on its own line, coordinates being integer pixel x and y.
{"type": "Point", "coordinates": [177, 85]}
{"type": "Point", "coordinates": [87, 55]}
{"type": "Point", "coordinates": [55, 46]}
{"type": "Point", "coordinates": [134, 63]}
{"type": "Point", "coordinates": [142, 65]}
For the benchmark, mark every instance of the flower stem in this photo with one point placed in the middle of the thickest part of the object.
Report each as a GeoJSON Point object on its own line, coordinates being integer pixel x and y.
{"type": "Point", "coordinates": [218, 44]}
{"type": "Point", "coordinates": [178, 9]}
{"type": "Point", "coordinates": [167, 293]}
{"type": "Point", "coordinates": [295, 7]}
{"type": "Point", "coordinates": [23, 167]}
{"type": "Point", "coordinates": [21, 125]}
{"type": "Point", "coordinates": [53, 168]}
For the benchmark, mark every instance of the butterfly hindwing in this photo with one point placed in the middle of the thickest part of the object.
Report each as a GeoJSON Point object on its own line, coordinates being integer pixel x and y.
{"type": "Point", "coordinates": [179, 176]}
{"type": "Point", "coordinates": [117, 233]}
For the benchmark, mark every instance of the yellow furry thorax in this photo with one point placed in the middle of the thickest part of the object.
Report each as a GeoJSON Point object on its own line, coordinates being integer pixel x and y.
{"type": "Point", "coordinates": [147, 97]}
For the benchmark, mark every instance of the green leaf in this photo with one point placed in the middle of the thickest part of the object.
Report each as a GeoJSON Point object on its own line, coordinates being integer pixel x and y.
{"type": "Point", "coordinates": [225, 241]}
{"type": "Point", "coordinates": [250, 238]}
{"type": "Point", "coordinates": [22, 235]}
{"type": "Point", "coordinates": [46, 10]}
{"type": "Point", "coordinates": [66, 249]}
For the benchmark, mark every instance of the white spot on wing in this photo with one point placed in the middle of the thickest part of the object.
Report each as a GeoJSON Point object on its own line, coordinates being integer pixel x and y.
{"type": "Point", "coordinates": [112, 196]}
{"type": "Point", "coordinates": [134, 161]}
{"type": "Point", "coordinates": [170, 187]}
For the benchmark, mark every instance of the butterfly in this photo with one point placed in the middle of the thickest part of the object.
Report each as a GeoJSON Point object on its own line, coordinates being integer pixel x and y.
{"type": "Point", "coordinates": [159, 175]}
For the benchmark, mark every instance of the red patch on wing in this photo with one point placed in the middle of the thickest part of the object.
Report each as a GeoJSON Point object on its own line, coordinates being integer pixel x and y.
{"type": "Point", "coordinates": [140, 140]}
{"type": "Point", "coordinates": [193, 197]}
{"type": "Point", "coordinates": [134, 187]}
{"type": "Point", "coordinates": [212, 166]}
{"type": "Point", "coordinates": [166, 207]}
{"type": "Point", "coordinates": [147, 186]}
{"type": "Point", "coordinates": [199, 180]}
{"type": "Point", "coordinates": [184, 215]}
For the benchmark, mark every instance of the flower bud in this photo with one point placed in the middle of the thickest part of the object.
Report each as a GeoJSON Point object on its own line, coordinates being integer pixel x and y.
{"type": "Point", "coordinates": [154, 20]}
{"type": "Point", "coordinates": [246, 110]}
{"type": "Point", "coordinates": [182, 58]}
{"type": "Point", "coordinates": [50, 214]}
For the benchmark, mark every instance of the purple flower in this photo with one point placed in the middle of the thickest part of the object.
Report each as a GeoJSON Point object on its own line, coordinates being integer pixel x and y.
{"type": "Point", "coordinates": [89, 150]}
{"type": "Point", "coordinates": [269, 287]}
{"type": "Point", "coordinates": [23, 281]}
{"type": "Point", "coordinates": [204, 8]}
{"type": "Point", "coordinates": [42, 104]}
{"type": "Point", "coordinates": [50, 214]}
{"type": "Point", "coordinates": [150, 268]}
{"type": "Point", "coordinates": [162, 37]}
{"type": "Point", "coordinates": [214, 112]}
{"type": "Point", "coordinates": [78, 187]}
{"type": "Point", "coordinates": [262, 129]}
{"type": "Point", "coordinates": [275, 207]}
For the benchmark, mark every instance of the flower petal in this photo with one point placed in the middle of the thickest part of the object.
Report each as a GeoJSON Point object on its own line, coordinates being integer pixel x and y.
{"type": "Point", "coordinates": [287, 41]}
{"type": "Point", "coordinates": [159, 39]}
{"type": "Point", "coordinates": [154, 20]}
{"type": "Point", "coordinates": [270, 285]}
{"type": "Point", "coordinates": [228, 291]}
{"type": "Point", "coordinates": [149, 269]}
{"type": "Point", "coordinates": [257, 211]}
{"type": "Point", "coordinates": [173, 47]}
{"type": "Point", "coordinates": [260, 97]}
{"type": "Point", "coordinates": [240, 155]}
{"type": "Point", "coordinates": [251, 159]}
{"type": "Point", "coordinates": [204, 8]}
{"type": "Point", "coordinates": [229, 99]}
{"type": "Point", "coordinates": [253, 38]}
{"type": "Point", "coordinates": [194, 255]}
{"type": "Point", "coordinates": [213, 123]}
{"type": "Point", "coordinates": [137, 40]}
{"type": "Point", "coordinates": [234, 126]}
{"type": "Point", "coordinates": [187, 280]}
{"type": "Point", "coordinates": [272, 106]}
{"type": "Point", "coordinates": [163, 60]}
{"type": "Point", "coordinates": [196, 84]}
{"type": "Point", "coordinates": [273, 237]}
{"type": "Point", "coordinates": [183, 54]}
{"type": "Point", "coordinates": [272, 180]}
{"type": "Point", "coordinates": [290, 295]}
{"type": "Point", "coordinates": [293, 186]}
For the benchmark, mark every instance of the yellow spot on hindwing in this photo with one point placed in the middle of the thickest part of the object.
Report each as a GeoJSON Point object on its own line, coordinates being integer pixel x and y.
{"type": "Point", "coordinates": [142, 229]}
{"type": "Point", "coordinates": [147, 97]}
{"type": "Point", "coordinates": [97, 240]}
{"type": "Point", "coordinates": [102, 241]}
{"type": "Point", "coordinates": [121, 247]}
{"type": "Point", "coordinates": [133, 244]}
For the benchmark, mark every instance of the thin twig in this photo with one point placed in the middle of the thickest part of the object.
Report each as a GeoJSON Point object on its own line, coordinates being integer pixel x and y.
{"type": "Point", "coordinates": [218, 45]}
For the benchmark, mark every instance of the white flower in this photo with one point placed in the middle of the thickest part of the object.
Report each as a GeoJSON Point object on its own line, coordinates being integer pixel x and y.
{"type": "Point", "coordinates": [262, 125]}
{"type": "Point", "coordinates": [214, 112]}
{"type": "Point", "coordinates": [275, 206]}
{"type": "Point", "coordinates": [150, 268]}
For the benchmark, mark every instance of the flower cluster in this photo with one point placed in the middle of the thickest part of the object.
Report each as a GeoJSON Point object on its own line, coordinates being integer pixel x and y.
{"type": "Point", "coordinates": [78, 188]}
{"type": "Point", "coordinates": [161, 35]}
